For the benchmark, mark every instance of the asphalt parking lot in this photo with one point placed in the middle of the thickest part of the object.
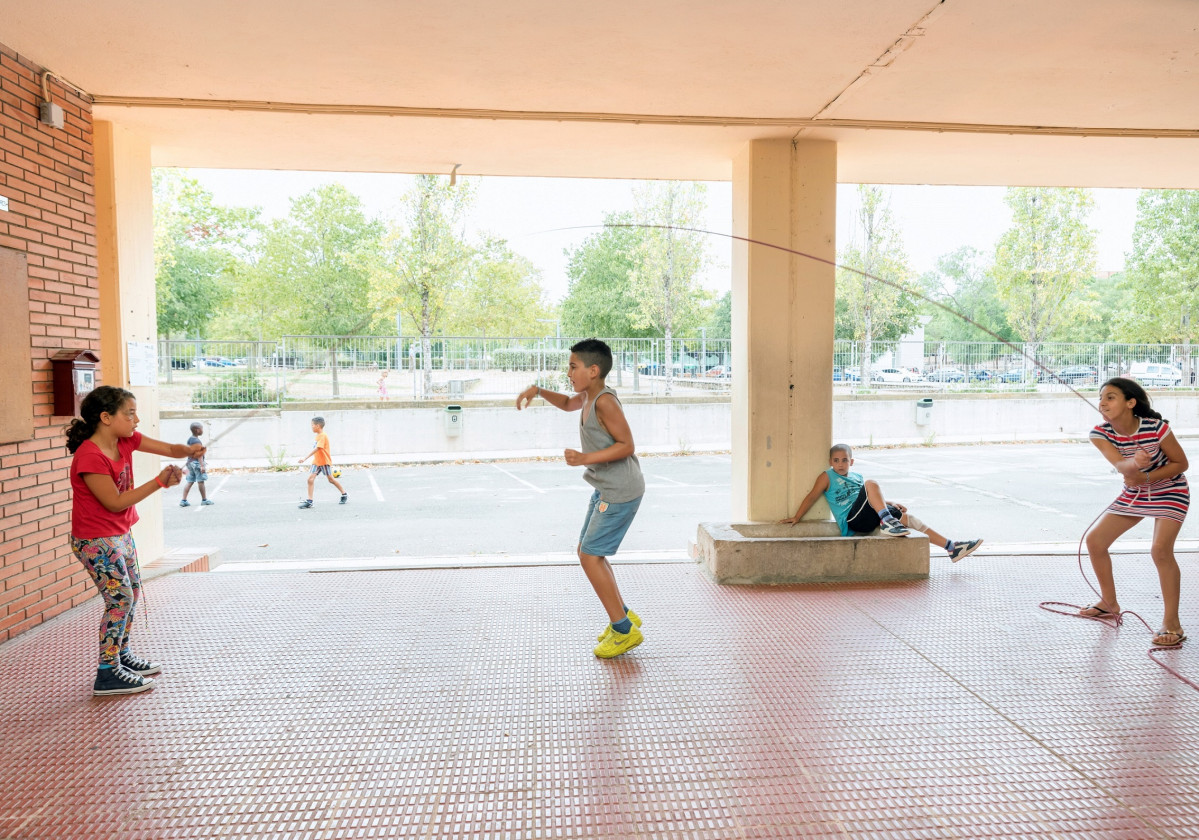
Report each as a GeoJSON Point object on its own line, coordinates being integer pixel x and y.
{"type": "Point", "coordinates": [1025, 493]}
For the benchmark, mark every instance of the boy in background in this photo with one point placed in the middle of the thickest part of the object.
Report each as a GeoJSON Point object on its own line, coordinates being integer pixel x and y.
{"type": "Point", "coordinates": [322, 463]}
{"type": "Point", "coordinates": [196, 469]}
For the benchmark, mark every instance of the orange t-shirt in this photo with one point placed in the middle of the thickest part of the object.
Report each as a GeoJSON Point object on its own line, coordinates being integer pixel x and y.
{"type": "Point", "coordinates": [321, 458]}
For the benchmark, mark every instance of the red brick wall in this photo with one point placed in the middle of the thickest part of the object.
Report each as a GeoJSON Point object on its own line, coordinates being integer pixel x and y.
{"type": "Point", "coordinates": [47, 174]}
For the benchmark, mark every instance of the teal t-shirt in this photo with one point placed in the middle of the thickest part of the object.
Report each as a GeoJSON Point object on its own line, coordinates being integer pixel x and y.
{"type": "Point", "coordinates": [842, 491]}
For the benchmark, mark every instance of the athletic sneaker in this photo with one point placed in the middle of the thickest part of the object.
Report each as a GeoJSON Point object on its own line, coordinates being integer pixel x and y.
{"type": "Point", "coordinates": [184, 503]}
{"type": "Point", "coordinates": [307, 503]}
{"type": "Point", "coordinates": [143, 667]}
{"type": "Point", "coordinates": [614, 644]}
{"type": "Point", "coordinates": [345, 497]}
{"type": "Point", "coordinates": [119, 681]}
{"type": "Point", "coordinates": [893, 528]}
{"type": "Point", "coordinates": [208, 502]}
{"type": "Point", "coordinates": [963, 549]}
{"type": "Point", "coordinates": [633, 617]}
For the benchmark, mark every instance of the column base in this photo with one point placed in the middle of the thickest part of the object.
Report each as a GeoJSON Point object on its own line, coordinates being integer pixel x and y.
{"type": "Point", "coordinates": [809, 552]}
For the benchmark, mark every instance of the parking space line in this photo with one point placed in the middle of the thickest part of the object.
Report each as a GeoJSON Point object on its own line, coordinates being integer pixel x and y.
{"type": "Point", "coordinates": [937, 479]}
{"type": "Point", "coordinates": [656, 477]}
{"type": "Point", "coordinates": [374, 485]}
{"type": "Point", "coordinates": [220, 486]}
{"type": "Point", "coordinates": [518, 478]}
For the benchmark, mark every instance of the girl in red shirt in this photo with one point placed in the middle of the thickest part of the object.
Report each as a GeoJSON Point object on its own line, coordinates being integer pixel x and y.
{"type": "Point", "coordinates": [103, 440]}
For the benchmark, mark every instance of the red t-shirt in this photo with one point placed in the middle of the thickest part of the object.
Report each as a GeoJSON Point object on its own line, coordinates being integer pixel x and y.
{"type": "Point", "coordinates": [89, 518]}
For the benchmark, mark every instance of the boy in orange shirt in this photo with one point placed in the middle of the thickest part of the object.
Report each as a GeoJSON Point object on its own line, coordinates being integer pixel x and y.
{"type": "Point", "coordinates": [322, 463]}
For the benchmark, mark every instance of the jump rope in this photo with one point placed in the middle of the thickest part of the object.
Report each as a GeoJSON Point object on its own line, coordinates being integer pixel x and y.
{"type": "Point", "coordinates": [1113, 620]}
{"type": "Point", "coordinates": [1110, 620]}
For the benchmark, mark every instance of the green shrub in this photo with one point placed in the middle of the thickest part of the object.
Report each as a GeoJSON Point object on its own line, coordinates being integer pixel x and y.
{"type": "Point", "coordinates": [529, 358]}
{"type": "Point", "coordinates": [553, 382]}
{"type": "Point", "coordinates": [234, 390]}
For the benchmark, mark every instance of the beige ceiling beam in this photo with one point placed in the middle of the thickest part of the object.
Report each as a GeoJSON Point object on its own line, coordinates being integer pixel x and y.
{"type": "Point", "coordinates": [325, 109]}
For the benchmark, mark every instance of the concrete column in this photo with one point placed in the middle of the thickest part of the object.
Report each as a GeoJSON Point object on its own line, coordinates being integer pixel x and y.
{"type": "Point", "coordinates": [785, 194]}
{"type": "Point", "coordinates": [125, 252]}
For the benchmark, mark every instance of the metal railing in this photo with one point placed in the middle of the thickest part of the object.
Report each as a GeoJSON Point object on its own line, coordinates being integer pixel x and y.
{"type": "Point", "coordinates": [1048, 366]}
{"type": "Point", "coordinates": [229, 374]}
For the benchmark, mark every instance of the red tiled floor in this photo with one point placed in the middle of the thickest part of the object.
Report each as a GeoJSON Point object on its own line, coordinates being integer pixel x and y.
{"type": "Point", "coordinates": [467, 704]}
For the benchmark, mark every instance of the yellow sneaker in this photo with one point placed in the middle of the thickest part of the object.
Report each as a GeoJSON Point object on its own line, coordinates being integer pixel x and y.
{"type": "Point", "coordinates": [614, 644]}
{"type": "Point", "coordinates": [633, 617]}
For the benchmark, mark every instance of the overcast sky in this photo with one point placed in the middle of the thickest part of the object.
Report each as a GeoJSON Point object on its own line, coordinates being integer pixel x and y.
{"type": "Point", "coordinates": [530, 213]}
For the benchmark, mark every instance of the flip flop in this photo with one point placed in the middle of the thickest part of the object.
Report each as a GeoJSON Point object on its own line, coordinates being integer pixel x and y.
{"type": "Point", "coordinates": [1100, 612]}
{"type": "Point", "coordinates": [1164, 632]}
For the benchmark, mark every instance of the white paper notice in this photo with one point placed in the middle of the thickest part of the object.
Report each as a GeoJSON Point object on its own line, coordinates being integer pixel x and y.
{"type": "Point", "coordinates": [143, 363]}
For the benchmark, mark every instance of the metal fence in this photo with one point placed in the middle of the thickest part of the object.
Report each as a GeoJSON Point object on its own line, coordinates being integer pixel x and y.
{"type": "Point", "coordinates": [247, 374]}
{"type": "Point", "coordinates": [1049, 366]}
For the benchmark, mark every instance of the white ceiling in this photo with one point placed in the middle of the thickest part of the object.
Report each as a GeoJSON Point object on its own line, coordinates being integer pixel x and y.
{"type": "Point", "coordinates": [1064, 92]}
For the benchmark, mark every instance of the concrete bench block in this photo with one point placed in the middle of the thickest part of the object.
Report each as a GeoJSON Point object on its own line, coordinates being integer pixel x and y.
{"type": "Point", "coordinates": [809, 552]}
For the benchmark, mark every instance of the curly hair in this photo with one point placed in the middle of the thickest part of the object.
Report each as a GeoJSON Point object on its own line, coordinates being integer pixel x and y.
{"type": "Point", "coordinates": [106, 398]}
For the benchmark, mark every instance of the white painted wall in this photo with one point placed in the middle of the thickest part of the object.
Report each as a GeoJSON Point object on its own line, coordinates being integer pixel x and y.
{"type": "Point", "coordinates": [407, 432]}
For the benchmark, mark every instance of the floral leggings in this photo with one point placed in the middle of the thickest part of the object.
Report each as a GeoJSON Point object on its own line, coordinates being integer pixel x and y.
{"type": "Point", "coordinates": [112, 563]}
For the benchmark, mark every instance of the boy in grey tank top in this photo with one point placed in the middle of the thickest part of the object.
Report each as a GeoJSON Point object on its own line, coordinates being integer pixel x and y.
{"type": "Point", "coordinates": [613, 470]}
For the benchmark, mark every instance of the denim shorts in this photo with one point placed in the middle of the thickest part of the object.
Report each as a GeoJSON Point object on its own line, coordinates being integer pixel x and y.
{"type": "Point", "coordinates": [605, 525]}
{"type": "Point", "coordinates": [195, 472]}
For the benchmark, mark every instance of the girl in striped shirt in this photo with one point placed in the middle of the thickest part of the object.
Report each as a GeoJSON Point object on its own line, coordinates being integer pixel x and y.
{"type": "Point", "coordinates": [1137, 441]}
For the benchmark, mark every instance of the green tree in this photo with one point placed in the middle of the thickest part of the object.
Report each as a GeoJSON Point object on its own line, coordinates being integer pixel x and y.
{"type": "Point", "coordinates": [1044, 261]}
{"type": "Point", "coordinates": [1107, 300]}
{"type": "Point", "coordinates": [873, 309]}
{"type": "Point", "coordinates": [720, 317]}
{"type": "Point", "coordinates": [423, 259]}
{"type": "Point", "coordinates": [665, 279]}
{"type": "Point", "coordinates": [599, 299]}
{"type": "Point", "coordinates": [201, 251]}
{"type": "Point", "coordinates": [963, 282]}
{"type": "Point", "coordinates": [309, 279]}
{"type": "Point", "coordinates": [501, 294]}
{"type": "Point", "coordinates": [1162, 273]}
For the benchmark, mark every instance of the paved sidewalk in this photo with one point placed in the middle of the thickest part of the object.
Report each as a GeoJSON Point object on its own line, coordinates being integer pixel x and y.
{"type": "Point", "coordinates": [465, 703]}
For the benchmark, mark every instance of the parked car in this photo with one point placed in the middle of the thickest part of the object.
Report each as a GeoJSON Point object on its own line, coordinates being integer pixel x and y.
{"type": "Point", "coordinates": [1155, 374]}
{"type": "Point", "coordinates": [1079, 375]}
{"type": "Point", "coordinates": [719, 372]}
{"type": "Point", "coordinates": [214, 363]}
{"type": "Point", "coordinates": [891, 375]}
{"type": "Point", "coordinates": [1020, 375]}
{"type": "Point", "coordinates": [947, 374]}
{"type": "Point", "coordinates": [659, 368]}
{"type": "Point", "coordinates": [981, 375]}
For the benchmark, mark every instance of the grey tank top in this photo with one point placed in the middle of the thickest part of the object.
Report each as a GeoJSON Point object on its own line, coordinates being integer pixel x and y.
{"type": "Point", "coordinates": [617, 481]}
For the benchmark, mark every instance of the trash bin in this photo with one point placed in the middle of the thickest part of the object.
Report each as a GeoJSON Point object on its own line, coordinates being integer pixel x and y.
{"type": "Point", "coordinates": [453, 420]}
{"type": "Point", "coordinates": [924, 411]}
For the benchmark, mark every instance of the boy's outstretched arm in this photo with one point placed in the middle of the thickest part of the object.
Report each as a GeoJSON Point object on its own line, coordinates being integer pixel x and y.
{"type": "Point", "coordinates": [818, 488]}
{"type": "Point", "coordinates": [565, 402]}
{"type": "Point", "coordinates": [611, 417]}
